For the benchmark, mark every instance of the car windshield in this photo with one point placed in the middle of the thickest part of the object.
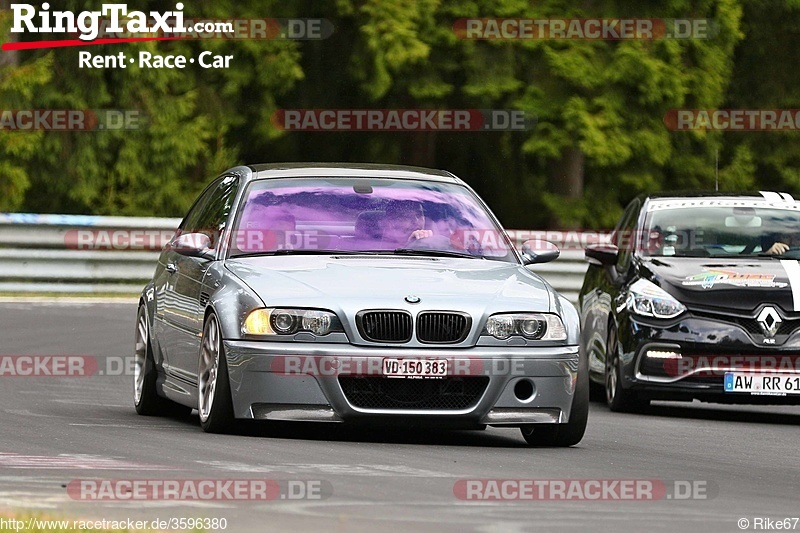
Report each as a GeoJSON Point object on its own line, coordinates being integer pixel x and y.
{"type": "Point", "coordinates": [731, 229]}
{"type": "Point", "coordinates": [359, 215]}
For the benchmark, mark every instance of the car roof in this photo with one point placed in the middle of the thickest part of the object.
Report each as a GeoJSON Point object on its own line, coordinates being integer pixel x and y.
{"type": "Point", "coordinates": [750, 195]}
{"type": "Point", "coordinates": [350, 170]}
{"type": "Point", "coordinates": [761, 199]}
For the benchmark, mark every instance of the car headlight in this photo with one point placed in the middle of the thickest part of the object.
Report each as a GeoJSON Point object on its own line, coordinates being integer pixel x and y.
{"type": "Point", "coordinates": [534, 326]}
{"type": "Point", "coordinates": [291, 321]}
{"type": "Point", "coordinates": [647, 299]}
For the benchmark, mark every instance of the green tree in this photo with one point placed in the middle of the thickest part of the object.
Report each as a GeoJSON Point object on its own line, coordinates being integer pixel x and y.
{"type": "Point", "coordinates": [193, 120]}
{"type": "Point", "coordinates": [18, 84]}
{"type": "Point", "coordinates": [600, 137]}
{"type": "Point", "coordinates": [764, 77]}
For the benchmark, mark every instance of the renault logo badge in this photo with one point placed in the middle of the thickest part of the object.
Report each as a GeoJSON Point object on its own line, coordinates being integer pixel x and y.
{"type": "Point", "coordinates": [769, 320]}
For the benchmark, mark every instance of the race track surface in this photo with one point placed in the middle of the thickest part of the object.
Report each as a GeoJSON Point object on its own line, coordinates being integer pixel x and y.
{"type": "Point", "coordinates": [57, 431]}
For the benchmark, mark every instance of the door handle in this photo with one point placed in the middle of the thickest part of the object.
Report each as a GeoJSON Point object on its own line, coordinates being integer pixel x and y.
{"type": "Point", "coordinates": [171, 268]}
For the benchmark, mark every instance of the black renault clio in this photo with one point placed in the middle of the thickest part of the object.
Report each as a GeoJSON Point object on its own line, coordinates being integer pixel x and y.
{"type": "Point", "coordinates": [696, 296]}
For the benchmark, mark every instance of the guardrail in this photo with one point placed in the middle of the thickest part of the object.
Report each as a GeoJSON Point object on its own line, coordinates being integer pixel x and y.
{"type": "Point", "coordinates": [38, 255]}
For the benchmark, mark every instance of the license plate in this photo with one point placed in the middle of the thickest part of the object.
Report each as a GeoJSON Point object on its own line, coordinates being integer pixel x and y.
{"type": "Point", "coordinates": [762, 384]}
{"type": "Point", "coordinates": [414, 368]}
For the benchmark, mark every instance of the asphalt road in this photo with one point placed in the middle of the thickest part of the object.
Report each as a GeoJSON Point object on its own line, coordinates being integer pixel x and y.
{"type": "Point", "coordinates": [55, 431]}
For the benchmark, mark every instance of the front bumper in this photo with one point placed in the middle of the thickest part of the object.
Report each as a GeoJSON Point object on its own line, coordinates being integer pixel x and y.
{"type": "Point", "coordinates": [301, 382]}
{"type": "Point", "coordinates": [688, 358]}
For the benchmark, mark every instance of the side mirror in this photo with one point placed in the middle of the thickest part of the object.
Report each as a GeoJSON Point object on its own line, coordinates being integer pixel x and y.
{"type": "Point", "coordinates": [602, 254]}
{"type": "Point", "coordinates": [193, 245]}
{"type": "Point", "coordinates": [535, 251]}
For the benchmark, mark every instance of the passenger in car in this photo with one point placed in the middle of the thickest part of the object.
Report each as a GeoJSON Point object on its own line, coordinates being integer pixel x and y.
{"type": "Point", "coordinates": [266, 228]}
{"type": "Point", "coordinates": [367, 227]}
{"type": "Point", "coordinates": [403, 223]}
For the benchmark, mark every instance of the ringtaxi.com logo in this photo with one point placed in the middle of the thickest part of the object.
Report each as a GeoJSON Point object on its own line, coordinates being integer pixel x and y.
{"type": "Point", "coordinates": [87, 23]}
{"type": "Point", "coordinates": [582, 490]}
{"type": "Point", "coordinates": [198, 489]}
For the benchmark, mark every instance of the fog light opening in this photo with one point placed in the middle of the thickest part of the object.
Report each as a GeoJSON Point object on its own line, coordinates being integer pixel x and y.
{"type": "Point", "coordinates": [524, 390]}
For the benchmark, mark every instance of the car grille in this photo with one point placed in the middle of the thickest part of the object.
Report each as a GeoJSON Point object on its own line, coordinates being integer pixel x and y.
{"type": "Point", "coordinates": [672, 369]}
{"type": "Point", "coordinates": [385, 326]}
{"type": "Point", "coordinates": [704, 379]}
{"type": "Point", "coordinates": [750, 324]}
{"type": "Point", "coordinates": [693, 367]}
{"type": "Point", "coordinates": [753, 328]}
{"type": "Point", "coordinates": [452, 393]}
{"type": "Point", "coordinates": [441, 327]}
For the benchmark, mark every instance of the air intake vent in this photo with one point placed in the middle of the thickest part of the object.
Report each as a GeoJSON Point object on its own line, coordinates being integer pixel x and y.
{"type": "Point", "coordinates": [451, 393]}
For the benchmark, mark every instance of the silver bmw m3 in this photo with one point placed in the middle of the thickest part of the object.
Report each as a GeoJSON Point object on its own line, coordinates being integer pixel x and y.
{"type": "Point", "coordinates": [356, 293]}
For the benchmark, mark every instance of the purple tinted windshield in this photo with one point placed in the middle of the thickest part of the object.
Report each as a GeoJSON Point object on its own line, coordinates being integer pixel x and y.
{"type": "Point", "coordinates": [365, 215]}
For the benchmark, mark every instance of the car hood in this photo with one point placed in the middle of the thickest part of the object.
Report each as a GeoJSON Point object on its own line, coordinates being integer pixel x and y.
{"type": "Point", "coordinates": [352, 283]}
{"type": "Point", "coordinates": [731, 283]}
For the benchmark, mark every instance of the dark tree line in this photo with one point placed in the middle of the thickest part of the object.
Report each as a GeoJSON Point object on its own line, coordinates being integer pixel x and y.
{"type": "Point", "coordinates": [600, 137]}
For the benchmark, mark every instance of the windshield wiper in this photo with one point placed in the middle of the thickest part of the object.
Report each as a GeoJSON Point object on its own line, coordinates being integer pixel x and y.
{"type": "Point", "coordinates": [398, 251]}
{"type": "Point", "coordinates": [289, 251]}
{"type": "Point", "coordinates": [434, 253]}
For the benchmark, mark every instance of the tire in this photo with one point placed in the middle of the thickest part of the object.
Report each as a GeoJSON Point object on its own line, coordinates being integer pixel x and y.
{"type": "Point", "coordinates": [145, 397]}
{"type": "Point", "coordinates": [618, 398]}
{"type": "Point", "coordinates": [213, 387]}
{"type": "Point", "coordinates": [571, 433]}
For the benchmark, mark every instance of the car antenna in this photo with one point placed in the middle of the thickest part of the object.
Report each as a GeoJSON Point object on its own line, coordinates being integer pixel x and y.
{"type": "Point", "coordinates": [716, 171]}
